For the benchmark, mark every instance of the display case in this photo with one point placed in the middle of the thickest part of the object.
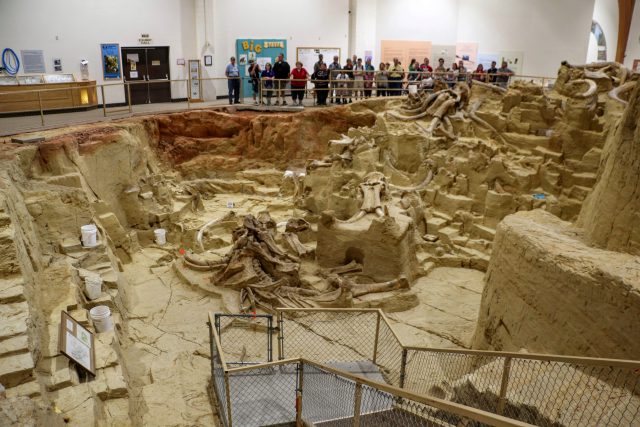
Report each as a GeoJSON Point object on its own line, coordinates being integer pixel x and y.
{"type": "Point", "coordinates": [30, 80]}
{"type": "Point", "coordinates": [59, 78]}
{"type": "Point", "coordinates": [32, 92]}
{"type": "Point", "coordinates": [8, 81]}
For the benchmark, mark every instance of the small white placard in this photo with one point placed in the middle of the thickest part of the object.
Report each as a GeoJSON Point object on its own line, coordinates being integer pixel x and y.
{"type": "Point", "coordinates": [230, 205]}
{"type": "Point", "coordinates": [133, 74]}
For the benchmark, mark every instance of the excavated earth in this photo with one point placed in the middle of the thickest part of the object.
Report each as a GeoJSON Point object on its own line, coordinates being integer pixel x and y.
{"type": "Point", "coordinates": [527, 150]}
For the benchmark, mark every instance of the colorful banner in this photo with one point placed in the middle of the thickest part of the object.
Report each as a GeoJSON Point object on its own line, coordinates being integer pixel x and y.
{"type": "Point", "coordinates": [261, 51]}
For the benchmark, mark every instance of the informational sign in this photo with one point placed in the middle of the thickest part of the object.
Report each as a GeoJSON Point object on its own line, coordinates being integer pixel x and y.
{"type": "Point", "coordinates": [309, 56]}
{"type": "Point", "coordinates": [33, 61]}
{"type": "Point", "coordinates": [265, 49]}
{"type": "Point", "coordinates": [446, 52]}
{"type": "Point", "coordinates": [110, 54]}
{"type": "Point", "coordinates": [77, 343]}
{"type": "Point", "coordinates": [467, 52]}
{"type": "Point", "coordinates": [194, 79]}
{"type": "Point", "coordinates": [405, 51]}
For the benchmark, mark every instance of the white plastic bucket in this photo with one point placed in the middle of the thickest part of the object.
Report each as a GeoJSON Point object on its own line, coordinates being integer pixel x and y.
{"type": "Point", "coordinates": [161, 236]}
{"type": "Point", "coordinates": [413, 89]}
{"type": "Point", "coordinates": [101, 318]}
{"type": "Point", "coordinates": [89, 235]}
{"type": "Point", "coordinates": [93, 286]}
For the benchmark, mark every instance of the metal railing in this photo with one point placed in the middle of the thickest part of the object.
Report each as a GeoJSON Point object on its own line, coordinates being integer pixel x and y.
{"type": "Point", "coordinates": [545, 390]}
{"type": "Point", "coordinates": [300, 391]}
{"type": "Point", "coordinates": [114, 99]}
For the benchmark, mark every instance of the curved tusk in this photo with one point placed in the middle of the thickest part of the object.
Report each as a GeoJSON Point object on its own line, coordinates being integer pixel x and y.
{"type": "Point", "coordinates": [616, 92]}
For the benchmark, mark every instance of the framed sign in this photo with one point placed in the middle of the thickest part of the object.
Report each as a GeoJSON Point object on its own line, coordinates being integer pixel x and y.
{"type": "Point", "coordinates": [77, 343]}
{"type": "Point", "coordinates": [309, 55]}
{"type": "Point", "coordinates": [208, 60]}
{"type": "Point", "coordinates": [194, 80]}
{"type": "Point", "coordinates": [110, 54]}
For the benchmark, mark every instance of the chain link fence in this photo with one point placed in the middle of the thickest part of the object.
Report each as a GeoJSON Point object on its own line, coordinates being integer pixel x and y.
{"type": "Point", "coordinates": [335, 349]}
{"type": "Point", "coordinates": [328, 335]}
{"type": "Point", "coordinates": [245, 338]}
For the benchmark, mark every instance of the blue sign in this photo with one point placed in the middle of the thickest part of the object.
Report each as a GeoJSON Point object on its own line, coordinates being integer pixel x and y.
{"type": "Point", "coordinates": [260, 51]}
{"type": "Point", "coordinates": [110, 61]}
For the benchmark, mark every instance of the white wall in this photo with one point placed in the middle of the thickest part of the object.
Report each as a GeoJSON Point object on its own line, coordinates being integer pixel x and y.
{"type": "Point", "coordinates": [633, 44]}
{"type": "Point", "coordinates": [306, 23]}
{"type": "Point", "coordinates": [364, 31]}
{"type": "Point", "coordinates": [547, 31]}
{"type": "Point", "coordinates": [431, 20]}
{"type": "Point", "coordinates": [74, 29]}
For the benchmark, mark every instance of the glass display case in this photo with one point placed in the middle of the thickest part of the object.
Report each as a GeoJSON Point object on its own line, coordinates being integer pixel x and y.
{"type": "Point", "coordinates": [59, 78]}
{"type": "Point", "coordinates": [8, 81]}
{"type": "Point", "coordinates": [30, 80]}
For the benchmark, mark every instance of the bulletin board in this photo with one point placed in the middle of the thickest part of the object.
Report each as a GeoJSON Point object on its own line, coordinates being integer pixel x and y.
{"type": "Point", "coordinates": [405, 51]}
{"type": "Point", "coordinates": [77, 343]}
{"type": "Point", "coordinates": [261, 51]}
{"type": "Point", "coordinates": [309, 56]}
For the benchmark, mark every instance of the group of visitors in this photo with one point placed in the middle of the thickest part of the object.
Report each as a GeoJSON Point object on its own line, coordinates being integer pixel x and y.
{"type": "Point", "coordinates": [354, 79]}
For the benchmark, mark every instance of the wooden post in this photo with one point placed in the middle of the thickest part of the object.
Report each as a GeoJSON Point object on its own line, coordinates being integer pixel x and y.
{"type": "Point", "coordinates": [129, 96]}
{"type": "Point", "coordinates": [503, 386]}
{"type": "Point", "coordinates": [228, 393]}
{"type": "Point", "coordinates": [375, 343]}
{"type": "Point", "coordinates": [104, 103]}
{"type": "Point", "coordinates": [403, 367]}
{"type": "Point", "coordinates": [41, 112]}
{"type": "Point", "coordinates": [357, 404]}
{"type": "Point", "coordinates": [299, 394]}
{"type": "Point", "coordinates": [189, 92]}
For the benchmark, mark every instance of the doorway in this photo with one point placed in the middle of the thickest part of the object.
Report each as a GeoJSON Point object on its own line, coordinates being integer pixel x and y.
{"type": "Point", "coordinates": [147, 69]}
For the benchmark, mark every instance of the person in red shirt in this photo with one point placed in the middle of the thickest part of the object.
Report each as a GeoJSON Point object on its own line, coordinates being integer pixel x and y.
{"type": "Point", "coordinates": [426, 68]}
{"type": "Point", "coordinates": [299, 78]}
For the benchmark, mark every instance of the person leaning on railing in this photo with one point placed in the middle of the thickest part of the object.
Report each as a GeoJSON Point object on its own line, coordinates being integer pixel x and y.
{"type": "Point", "coordinates": [396, 74]}
{"type": "Point", "coordinates": [440, 71]}
{"type": "Point", "coordinates": [254, 75]}
{"type": "Point", "coordinates": [233, 81]}
{"type": "Point", "coordinates": [299, 76]}
{"type": "Point", "coordinates": [462, 72]}
{"type": "Point", "coordinates": [321, 82]}
{"type": "Point", "coordinates": [334, 71]}
{"type": "Point", "coordinates": [382, 80]}
{"type": "Point", "coordinates": [479, 74]}
{"type": "Point", "coordinates": [491, 72]}
{"type": "Point", "coordinates": [267, 81]}
{"type": "Point", "coordinates": [347, 70]}
{"type": "Point", "coordinates": [342, 87]}
{"type": "Point", "coordinates": [369, 75]}
{"type": "Point", "coordinates": [503, 75]}
{"type": "Point", "coordinates": [358, 79]}
{"type": "Point", "coordinates": [281, 71]}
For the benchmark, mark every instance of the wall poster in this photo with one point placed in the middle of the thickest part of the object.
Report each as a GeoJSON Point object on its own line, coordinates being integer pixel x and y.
{"type": "Point", "coordinates": [467, 52]}
{"type": "Point", "coordinates": [110, 53]}
{"type": "Point", "coordinates": [77, 343]}
{"type": "Point", "coordinates": [405, 51]}
{"type": "Point", "coordinates": [309, 56]}
{"type": "Point", "coordinates": [194, 80]}
{"type": "Point", "coordinates": [259, 50]}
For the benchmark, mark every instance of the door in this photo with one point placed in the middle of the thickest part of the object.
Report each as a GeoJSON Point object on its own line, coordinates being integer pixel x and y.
{"type": "Point", "coordinates": [158, 74]}
{"type": "Point", "coordinates": [147, 71]}
{"type": "Point", "coordinates": [135, 72]}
